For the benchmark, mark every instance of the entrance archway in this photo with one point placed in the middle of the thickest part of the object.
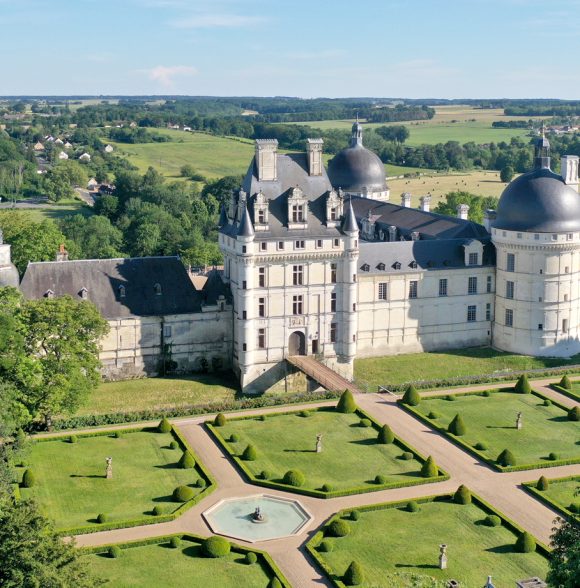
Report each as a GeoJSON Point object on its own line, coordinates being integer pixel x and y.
{"type": "Point", "coordinates": [297, 344]}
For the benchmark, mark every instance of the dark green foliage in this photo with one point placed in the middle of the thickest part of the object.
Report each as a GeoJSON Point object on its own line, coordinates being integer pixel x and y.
{"type": "Point", "coordinates": [338, 528]}
{"type": "Point", "coordinates": [73, 439]}
{"type": "Point", "coordinates": [220, 420]}
{"type": "Point", "coordinates": [102, 518]}
{"type": "Point", "coordinates": [118, 434]}
{"type": "Point", "coordinates": [506, 173]}
{"type": "Point", "coordinates": [407, 455]}
{"type": "Point", "coordinates": [506, 458]}
{"type": "Point", "coordinates": [574, 414]}
{"type": "Point", "coordinates": [216, 546]}
{"type": "Point", "coordinates": [262, 418]}
{"type": "Point", "coordinates": [525, 543]}
{"type": "Point", "coordinates": [565, 555]}
{"type": "Point", "coordinates": [164, 426]}
{"type": "Point", "coordinates": [305, 413]}
{"type": "Point", "coordinates": [547, 402]}
{"type": "Point", "coordinates": [327, 487]}
{"type": "Point", "coordinates": [114, 551]}
{"type": "Point", "coordinates": [266, 475]}
{"type": "Point", "coordinates": [553, 456]}
{"type": "Point", "coordinates": [364, 423]}
{"type": "Point", "coordinates": [250, 453]}
{"type": "Point", "coordinates": [481, 446]}
{"type": "Point", "coordinates": [380, 479]}
{"type": "Point", "coordinates": [412, 506]}
{"type": "Point", "coordinates": [523, 385]}
{"type": "Point", "coordinates": [385, 435]}
{"type": "Point", "coordinates": [486, 393]}
{"type": "Point", "coordinates": [183, 494]}
{"type": "Point", "coordinates": [450, 398]}
{"type": "Point", "coordinates": [574, 507]}
{"type": "Point", "coordinates": [492, 521]}
{"type": "Point", "coordinates": [429, 468]}
{"type": "Point", "coordinates": [411, 396]}
{"type": "Point", "coordinates": [275, 583]}
{"type": "Point", "coordinates": [187, 461]}
{"type": "Point", "coordinates": [175, 542]}
{"type": "Point", "coordinates": [200, 483]}
{"type": "Point", "coordinates": [354, 515]}
{"type": "Point", "coordinates": [174, 445]}
{"type": "Point", "coordinates": [434, 415]}
{"type": "Point", "coordinates": [354, 575]}
{"type": "Point", "coordinates": [462, 495]}
{"type": "Point", "coordinates": [157, 510]}
{"type": "Point", "coordinates": [234, 438]}
{"type": "Point", "coordinates": [457, 426]}
{"type": "Point", "coordinates": [326, 546]}
{"type": "Point", "coordinates": [346, 403]}
{"type": "Point", "coordinates": [251, 558]}
{"type": "Point", "coordinates": [294, 478]}
{"type": "Point", "coordinates": [566, 383]}
{"type": "Point", "coordinates": [28, 479]}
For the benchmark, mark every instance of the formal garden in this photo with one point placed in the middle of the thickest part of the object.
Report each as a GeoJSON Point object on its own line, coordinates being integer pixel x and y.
{"type": "Point", "coordinates": [568, 387]}
{"type": "Point", "coordinates": [323, 452]}
{"type": "Point", "coordinates": [396, 545]}
{"type": "Point", "coordinates": [561, 494]}
{"type": "Point", "coordinates": [507, 428]}
{"type": "Point", "coordinates": [151, 477]}
{"type": "Point", "coordinates": [188, 560]}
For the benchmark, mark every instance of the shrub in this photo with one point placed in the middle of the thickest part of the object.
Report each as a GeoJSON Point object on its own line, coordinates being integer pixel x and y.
{"type": "Point", "coordinates": [173, 445]}
{"type": "Point", "coordinates": [326, 546]}
{"type": "Point", "coordinates": [574, 414]}
{"type": "Point", "coordinates": [553, 456]}
{"type": "Point", "coordinates": [183, 494]}
{"type": "Point", "coordinates": [412, 506]}
{"type": "Point", "coordinates": [525, 543]}
{"type": "Point", "coordinates": [346, 402]}
{"type": "Point", "coordinates": [294, 478]}
{"type": "Point", "coordinates": [174, 542]}
{"type": "Point", "coordinates": [429, 468]}
{"type": "Point", "coordinates": [462, 495]}
{"type": "Point", "coordinates": [251, 558]}
{"type": "Point", "coordinates": [457, 426]}
{"type": "Point", "coordinates": [523, 385]}
{"type": "Point", "coordinates": [481, 446]}
{"type": "Point", "coordinates": [492, 521]}
{"type": "Point", "coordinates": [380, 479]}
{"type": "Point", "coordinates": [118, 434]}
{"type": "Point", "coordinates": [365, 423]}
{"type": "Point", "coordinates": [28, 479]}
{"type": "Point", "coordinates": [73, 439]}
{"type": "Point", "coordinates": [433, 415]}
{"type": "Point", "coordinates": [187, 461]}
{"type": "Point", "coordinates": [200, 483]}
{"type": "Point", "coordinates": [407, 455]}
{"type": "Point", "coordinates": [385, 435]}
{"type": "Point", "coordinates": [164, 426]}
{"type": "Point", "coordinates": [566, 383]}
{"type": "Point", "coordinates": [102, 518]}
{"type": "Point", "coordinates": [547, 402]}
{"type": "Point", "coordinates": [304, 414]}
{"type": "Point", "coordinates": [354, 575]}
{"type": "Point", "coordinates": [486, 393]}
{"type": "Point", "coordinates": [216, 546]}
{"type": "Point", "coordinates": [542, 484]}
{"type": "Point", "coordinates": [450, 398]}
{"type": "Point", "coordinates": [327, 487]}
{"type": "Point", "coordinates": [574, 507]}
{"type": "Point", "coordinates": [354, 515]}
{"type": "Point", "coordinates": [506, 458]}
{"type": "Point", "coordinates": [266, 474]}
{"type": "Point", "coordinates": [262, 418]}
{"type": "Point", "coordinates": [234, 438]}
{"type": "Point", "coordinates": [411, 396]}
{"type": "Point", "coordinates": [339, 528]}
{"type": "Point", "coordinates": [114, 551]}
{"type": "Point", "coordinates": [250, 453]}
{"type": "Point", "coordinates": [220, 420]}
{"type": "Point", "coordinates": [157, 510]}
{"type": "Point", "coordinates": [275, 583]}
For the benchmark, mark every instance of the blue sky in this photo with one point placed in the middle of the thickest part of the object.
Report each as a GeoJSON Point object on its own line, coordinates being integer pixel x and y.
{"type": "Point", "coordinates": [308, 48]}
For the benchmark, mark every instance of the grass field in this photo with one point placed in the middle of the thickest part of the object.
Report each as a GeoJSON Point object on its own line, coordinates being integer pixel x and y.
{"type": "Point", "coordinates": [159, 565]}
{"type": "Point", "coordinates": [158, 393]}
{"type": "Point", "coordinates": [72, 489]}
{"type": "Point", "coordinates": [574, 392]}
{"type": "Point", "coordinates": [413, 367]}
{"type": "Point", "coordinates": [564, 493]}
{"type": "Point", "coordinates": [391, 540]}
{"type": "Point", "coordinates": [492, 420]}
{"type": "Point", "coordinates": [51, 211]}
{"type": "Point", "coordinates": [350, 456]}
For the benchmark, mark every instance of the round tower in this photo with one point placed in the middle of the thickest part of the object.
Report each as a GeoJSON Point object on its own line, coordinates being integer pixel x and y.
{"type": "Point", "coordinates": [351, 253]}
{"type": "Point", "coordinates": [8, 272]}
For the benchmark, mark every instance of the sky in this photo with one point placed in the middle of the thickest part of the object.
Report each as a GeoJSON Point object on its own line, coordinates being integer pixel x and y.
{"type": "Point", "coordinates": [306, 48]}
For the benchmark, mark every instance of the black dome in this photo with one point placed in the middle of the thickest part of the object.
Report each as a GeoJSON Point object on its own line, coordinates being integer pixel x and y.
{"type": "Point", "coordinates": [539, 201]}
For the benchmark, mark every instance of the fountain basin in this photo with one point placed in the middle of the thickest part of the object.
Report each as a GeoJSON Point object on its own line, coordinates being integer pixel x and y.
{"type": "Point", "coordinates": [233, 517]}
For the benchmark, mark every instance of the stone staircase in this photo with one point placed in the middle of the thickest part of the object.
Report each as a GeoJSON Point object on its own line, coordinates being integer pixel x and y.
{"type": "Point", "coordinates": [322, 374]}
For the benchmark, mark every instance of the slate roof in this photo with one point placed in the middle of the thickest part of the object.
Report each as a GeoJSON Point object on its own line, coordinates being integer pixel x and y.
{"type": "Point", "coordinates": [104, 280]}
{"type": "Point", "coordinates": [214, 288]}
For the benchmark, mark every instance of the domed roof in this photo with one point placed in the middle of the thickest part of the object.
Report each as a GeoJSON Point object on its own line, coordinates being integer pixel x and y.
{"type": "Point", "coordinates": [355, 168]}
{"type": "Point", "coordinates": [539, 201]}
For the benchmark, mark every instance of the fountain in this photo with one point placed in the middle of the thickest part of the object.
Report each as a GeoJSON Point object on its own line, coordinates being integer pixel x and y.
{"type": "Point", "coordinates": [259, 517]}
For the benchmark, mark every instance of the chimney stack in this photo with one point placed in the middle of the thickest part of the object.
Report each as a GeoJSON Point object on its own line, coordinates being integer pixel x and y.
{"type": "Point", "coordinates": [488, 218]}
{"type": "Point", "coordinates": [406, 200]}
{"type": "Point", "coordinates": [569, 171]}
{"type": "Point", "coordinates": [392, 233]}
{"type": "Point", "coordinates": [425, 203]}
{"type": "Point", "coordinates": [62, 254]}
{"type": "Point", "coordinates": [266, 159]}
{"type": "Point", "coordinates": [314, 151]}
{"type": "Point", "coordinates": [462, 211]}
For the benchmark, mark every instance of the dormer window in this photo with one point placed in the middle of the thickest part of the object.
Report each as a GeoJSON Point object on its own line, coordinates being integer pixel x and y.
{"type": "Point", "coordinates": [297, 209]}
{"type": "Point", "coordinates": [260, 212]}
{"type": "Point", "coordinates": [49, 294]}
{"type": "Point", "coordinates": [413, 264]}
{"type": "Point", "coordinates": [365, 267]}
{"type": "Point", "coordinates": [157, 289]}
{"type": "Point", "coordinates": [334, 208]}
{"type": "Point", "coordinates": [84, 293]}
{"type": "Point", "coordinates": [381, 267]}
{"type": "Point", "coordinates": [396, 265]}
{"type": "Point", "coordinates": [122, 291]}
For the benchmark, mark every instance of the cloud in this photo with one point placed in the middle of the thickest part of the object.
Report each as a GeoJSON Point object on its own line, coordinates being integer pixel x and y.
{"type": "Point", "coordinates": [165, 75]}
{"type": "Point", "coordinates": [215, 21]}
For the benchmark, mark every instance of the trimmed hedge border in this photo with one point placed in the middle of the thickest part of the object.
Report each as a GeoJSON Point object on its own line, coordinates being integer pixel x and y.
{"type": "Point", "coordinates": [530, 487]}
{"type": "Point", "coordinates": [477, 453]}
{"type": "Point", "coordinates": [568, 393]}
{"type": "Point", "coordinates": [200, 468]}
{"type": "Point", "coordinates": [264, 559]}
{"type": "Point", "coordinates": [251, 478]}
{"type": "Point", "coordinates": [311, 546]}
{"type": "Point", "coordinates": [119, 418]}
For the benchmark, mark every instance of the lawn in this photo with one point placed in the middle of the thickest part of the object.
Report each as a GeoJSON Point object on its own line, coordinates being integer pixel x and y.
{"type": "Point", "coordinates": [40, 212]}
{"type": "Point", "coordinates": [562, 494]}
{"type": "Point", "coordinates": [492, 420]}
{"type": "Point", "coordinates": [476, 361]}
{"type": "Point", "coordinates": [573, 392]}
{"type": "Point", "coordinates": [159, 393]}
{"type": "Point", "coordinates": [72, 489]}
{"type": "Point", "coordinates": [350, 458]}
{"type": "Point", "coordinates": [159, 565]}
{"type": "Point", "coordinates": [392, 541]}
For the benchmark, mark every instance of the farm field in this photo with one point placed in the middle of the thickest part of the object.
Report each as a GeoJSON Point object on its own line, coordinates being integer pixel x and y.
{"type": "Point", "coordinates": [40, 212]}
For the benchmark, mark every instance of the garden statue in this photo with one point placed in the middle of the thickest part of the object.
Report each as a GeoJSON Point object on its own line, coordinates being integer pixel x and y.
{"type": "Point", "coordinates": [443, 556]}
{"type": "Point", "coordinates": [109, 470]}
{"type": "Point", "coordinates": [519, 421]}
{"type": "Point", "coordinates": [319, 443]}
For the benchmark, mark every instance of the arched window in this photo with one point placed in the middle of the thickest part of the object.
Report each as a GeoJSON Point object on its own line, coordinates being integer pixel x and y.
{"type": "Point", "coordinates": [84, 293]}
{"type": "Point", "coordinates": [157, 289]}
{"type": "Point", "coordinates": [122, 291]}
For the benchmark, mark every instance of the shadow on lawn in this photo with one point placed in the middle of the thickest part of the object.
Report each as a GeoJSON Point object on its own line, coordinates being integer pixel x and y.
{"type": "Point", "coordinates": [88, 476]}
{"type": "Point", "coordinates": [509, 548]}
{"type": "Point", "coordinates": [500, 427]}
{"type": "Point", "coordinates": [300, 450]}
{"type": "Point", "coordinates": [418, 566]}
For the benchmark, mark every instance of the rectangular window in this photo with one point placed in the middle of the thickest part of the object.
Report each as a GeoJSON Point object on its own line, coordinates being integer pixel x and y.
{"type": "Point", "coordinates": [244, 315]}
{"type": "Point", "coordinates": [569, 236]}
{"type": "Point", "coordinates": [263, 246]}
{"type": "Point", "coordinates": [333, 332]}
{"type": "Point", "coordinates": [319, 243]}
{"type": "Point", "coordinates": [299, 245]}
{"type": "Point", "coordinates": [509, 290]}
{"type": "Point", "coordinates": [333, 214]}
{"type": "Point", "coordinates": [244, 249]}
{"type": "Point", "coordinates": [244, 285]}
{"type": "Point", "coordinates": [472, 285]}
{"type": "Point", "coordinates": [540, 327]}
{"type": "Point", "coordinates": [261, 277]}
{"type": "Point", "coordinates": [382, 290]}
{"type": "Point", "coordinates": [333, 273]}
{"type": "Point", "coordinates": [261, 216]}
{"type": "Point", "coordinates": [510, 262]}
{"type": "Point", "coordinates": [297, 305]}
{"type": "Point", "coordinates": [261, 338]}
{"type": "Point", "coordinates": [413, 289]}
{"type": "Point", "coordinates": [443, 287]}
{"type": "Point", "coordinates": [333, 303]}
{"type": "Point", "coordinates": [297, 213]}
{"type": "Point", "coordinates": [536, 236]}
{"type": "Point", "coordinates": [336, 243]}
{"type": "Point", "coordinates": [471, 313]}
{"type": "Point", "coordinates": [298, 275]}
{"type": "Point", "coordinates": [488, 312]}
{"type": "Point", "coordinates": [488, 284]}
{"type": "Point", "coordinates": [167, 331]}
{"type": "Point", "coordinates": [281, 245]}
{"type": "Point", "coordinates": [473, 259]}
{"type": "Point", "coordinates": [509, 317]}
{"type": "Point", "coordinates": [564, 325]}
{"type": "Point", "coordinates": [261, 307]}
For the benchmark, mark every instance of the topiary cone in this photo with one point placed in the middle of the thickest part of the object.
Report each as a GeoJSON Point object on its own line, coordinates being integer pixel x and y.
{"type": "Point", "coordinates": [28, 479]}
{"type": "Point", "coordinates": [187, 461]}
{"type": "Point", "coordinates": [385, 435]}
{"type": "Point", "coordinates": [506, 458]}
{"type": "Point", "coordinates": [354, 575]}
{"type": "Point", "coordinates": [275, 583]}
{"type": "Point", "coordinates": [457, 426]}
{"type": "Point", "coordinates": [250, 453]}
{"type": "Point", "coordinates": [574, 414]}
{"type": "Point", "coordinates": [164, 426]}
{"type": "Point", "coordinates": [346, 402]}
{"type": "Point", "coordinates": [411, 396]}
{"type": "Point", "coordinates": [220, 420]}
{"type": "Point", "coordinates": [462, 495]}
{"type": "Point", "coordinates": [525, 543]}
{"type": "Point", "coordinates": [566, 383]}
{"type": "Point", "coordinates": [543, 483]}
{"type": "Point", "coordinates": [429, 468]}
{"type": "Point", "coordinates": [523, 385]}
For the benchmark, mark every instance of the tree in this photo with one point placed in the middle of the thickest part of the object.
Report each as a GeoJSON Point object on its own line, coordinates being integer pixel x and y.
{"type": "Point", "coordinates": [506, 174]}
{"type": "Point", "coordinates": [354, 574]}
{"type": "Point", "coordinates": [523, 385]}
{"type": "Point", "coordinates": [429, 468]}
{"type": "Point", "coordinates": [346, 402]}
{"type": "Point", "coordinates": [411, 396]}
{"type": "Point", "coordinates": [457, 426]}
{"type": "Point", "coordinates": [564, 561]}
{"type": "Point", "coordinates": [95, 236]}
{"type": "Point", "coordinates": [477, 204]}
